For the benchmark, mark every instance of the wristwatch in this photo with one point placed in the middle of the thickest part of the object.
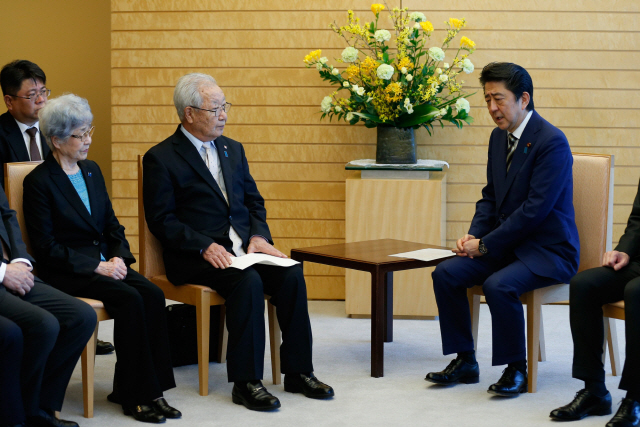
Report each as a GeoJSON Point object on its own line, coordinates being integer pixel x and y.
{"type": "Point", "coordinates": [482, 248]}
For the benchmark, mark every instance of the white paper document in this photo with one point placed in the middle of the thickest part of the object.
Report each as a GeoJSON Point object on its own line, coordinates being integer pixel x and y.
{"type": "Point", "coordinates": [426, 254]}
{"type": "Point", "coordinates": [248, 260]}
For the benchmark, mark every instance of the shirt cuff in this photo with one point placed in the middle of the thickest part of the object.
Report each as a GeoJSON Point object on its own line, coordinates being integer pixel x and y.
{"type": "Point", "coordinates": [3, 269]}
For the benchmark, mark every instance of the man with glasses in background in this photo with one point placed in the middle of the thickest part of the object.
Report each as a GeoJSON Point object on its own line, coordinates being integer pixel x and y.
{"type": "Point", "coordinates": [25, 93]}
{"type": "Point", "coordinates": [203, 205]}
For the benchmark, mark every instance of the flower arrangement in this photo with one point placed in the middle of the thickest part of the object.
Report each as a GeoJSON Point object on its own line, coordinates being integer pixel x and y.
{"type": "Point", "coordinates": [407, 87]}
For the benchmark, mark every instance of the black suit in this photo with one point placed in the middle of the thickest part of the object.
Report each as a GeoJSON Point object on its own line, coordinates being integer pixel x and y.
{"type": "Point", "coordinates": [593, 288]}
{"type": "Point", "coordinates": [55, 328]}
{"type": "Point", "coordinates": [12, 144]}
{"type": "Point", "coordinates": [67, 241]}
{"type": "Point", "coordinates": [187, 212]}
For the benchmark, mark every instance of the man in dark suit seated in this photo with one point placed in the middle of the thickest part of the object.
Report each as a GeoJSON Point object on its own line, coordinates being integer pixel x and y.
{"type": "Point", "coordinates": [55, 328]}
{"type": "Point", "coordinates": [203, 205]}
{"type": "Point", "coordinates": [25, 93]}
{"type": "Point", "coordinates": [523, 235]}
{"type": "Point", "coordinates": [618, 279]}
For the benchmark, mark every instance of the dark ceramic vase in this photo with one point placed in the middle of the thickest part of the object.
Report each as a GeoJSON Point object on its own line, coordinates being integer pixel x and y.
{"type": "Point", "coordinates": [395, 145]}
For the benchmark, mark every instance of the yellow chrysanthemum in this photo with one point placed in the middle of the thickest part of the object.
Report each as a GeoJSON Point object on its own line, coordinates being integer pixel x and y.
{"type": "Point", "coordinates": [467, 43]}
{"type": "Point", "coordinates": [406, 63]}
{"type": "Point", "coordinates": [376, 8]}
{"type": "Point", "coordinates": [313, 56]}
{"type": "Point", "coordinates": [427, 27]}
{"type": "Point", "coordinates": [456, 23]}
{"type": "Point", "coordinates": [393, 92]}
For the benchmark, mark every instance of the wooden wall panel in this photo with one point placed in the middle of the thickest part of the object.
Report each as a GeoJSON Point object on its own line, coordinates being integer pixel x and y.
{"type": "Point", "coordinates": [583, 55]}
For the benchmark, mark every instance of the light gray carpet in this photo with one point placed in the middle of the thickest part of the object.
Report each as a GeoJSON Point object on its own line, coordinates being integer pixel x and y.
{"type": "Point", "coordinates": [342, 359]}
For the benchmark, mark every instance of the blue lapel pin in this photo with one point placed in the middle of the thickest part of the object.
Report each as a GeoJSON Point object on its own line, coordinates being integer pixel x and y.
{"type": "Point", "coordinates": [89, 173]}
{"type": "Point", "coordinates": [225, 154]}
{"type": "Point", "coordinates": [527, 147]}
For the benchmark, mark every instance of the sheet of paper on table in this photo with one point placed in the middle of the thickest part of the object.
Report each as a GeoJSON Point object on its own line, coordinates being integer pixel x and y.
{"type": "Point", "coordinates": [426, 254]}
{"type": "Point", "coordinates": [248, 260]}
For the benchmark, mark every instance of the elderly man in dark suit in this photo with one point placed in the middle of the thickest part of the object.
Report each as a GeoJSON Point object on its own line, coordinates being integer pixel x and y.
{"type": "Point", "coordinates": [523, 235]}
{"type": "Point", "coordinates": [55, 328]}
{"type": "Point", "coordinates": [203, 205]}
{"type": "Point", "coordinates": [617, 279]}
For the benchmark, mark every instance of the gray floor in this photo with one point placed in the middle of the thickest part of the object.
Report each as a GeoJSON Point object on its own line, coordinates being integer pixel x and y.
{"type": "Point", "coordinates": [342, 359]}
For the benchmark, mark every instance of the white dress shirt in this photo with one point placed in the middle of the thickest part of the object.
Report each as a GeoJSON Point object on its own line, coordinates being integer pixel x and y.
{"type": "Point", "coordinates": [27, 138]}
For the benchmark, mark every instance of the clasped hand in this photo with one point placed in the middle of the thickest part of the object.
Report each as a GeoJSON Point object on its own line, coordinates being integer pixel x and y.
{"type": "Point", "coordinates": [18, 278]}
{"type": "Point", "coordinates": [114, 268]}
{"type": "Point", "coordinates": [615, 260]}
{"type": "Point", "coordinates": [467, 246]}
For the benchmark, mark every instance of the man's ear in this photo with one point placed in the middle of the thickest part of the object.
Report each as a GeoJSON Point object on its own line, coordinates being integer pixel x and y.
{"type": "Point", "coordinates": [8, 101]}
{"type": "Point", "coordinates": [525, 98]}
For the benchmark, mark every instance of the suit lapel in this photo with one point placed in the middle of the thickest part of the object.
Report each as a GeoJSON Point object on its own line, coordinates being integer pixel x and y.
{"type": "Point", "coordinates": [45, 147]}
{"type": "Point", "coordinates": [188, 152]}
{"type": "Point", "coordinates": [14, 136]}
{"type": "Point", "coordinates": [221, 146]}
{"type": "Point", "coordinates": [68, 191]}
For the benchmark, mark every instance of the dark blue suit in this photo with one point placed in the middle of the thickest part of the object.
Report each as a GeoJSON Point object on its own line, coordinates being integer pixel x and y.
{"type": "Point", "coordinates": [526, 220]}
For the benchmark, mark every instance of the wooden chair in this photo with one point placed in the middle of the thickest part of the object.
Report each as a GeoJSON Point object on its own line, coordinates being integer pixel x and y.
{"type": "Point", "coordinates": [203, 297]}
{"type": "Point", "coordinates": [593, 203]}
{"type": "Point", "coordinates": [610, 312]}
{"type": "Point", "coordinates": [14, 176]}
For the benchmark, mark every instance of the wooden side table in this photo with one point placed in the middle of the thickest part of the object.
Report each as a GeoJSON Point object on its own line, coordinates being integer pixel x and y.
{"type": "Point", "coordinates": [373, 257]}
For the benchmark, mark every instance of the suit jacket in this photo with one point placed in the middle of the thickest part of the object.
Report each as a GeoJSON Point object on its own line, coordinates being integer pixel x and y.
{"type": "Point", "coordinates": [630, 241]}
{"type": "Point", "coordinates": [185, 208]}
{"type": "Point", "coordinates": [66, 240]}
{"type": "Point", "coordinates": [12, 146]}
{"type": "Point", "coordinates": [10, 232]}
{"type": "Point", "coordinates": [529, 210]}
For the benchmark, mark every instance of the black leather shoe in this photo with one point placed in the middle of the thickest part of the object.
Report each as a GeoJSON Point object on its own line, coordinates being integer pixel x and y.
{"type": "Point", "coordinates": [254, 396]}
{"type": "Point", "coordinates": [457, 371]}
{"type": "Point", "coordinates": [145, 413]}
{"type": "Point", "coordinates": [628, 414]}
{"type": "Point", "coordinates": [103, 347]}
{"type": "Point", "coordinates": [48, 420]}
{"type": "Point", "coordinates": [511, 384]}
{"type": "Point", "coordinates": [308, 385]}
{"type": "Point", "coordinates": [584, 403]}
{"type": "Point", "coordinates": [162, 407]}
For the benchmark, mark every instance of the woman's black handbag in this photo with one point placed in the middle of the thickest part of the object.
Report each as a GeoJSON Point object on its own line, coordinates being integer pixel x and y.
{"type": "Point", "coordinates": [181, 319]}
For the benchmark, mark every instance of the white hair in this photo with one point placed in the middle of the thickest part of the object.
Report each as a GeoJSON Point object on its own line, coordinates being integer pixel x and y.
{"type": "Point", "coordinates": [187, 91]}
{"type": "Point", "coordinates": [62, 115]}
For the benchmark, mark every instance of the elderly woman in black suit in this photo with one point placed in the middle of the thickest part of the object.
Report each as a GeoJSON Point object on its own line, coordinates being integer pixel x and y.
{"type": "Point", "coordinates": [81, 249]}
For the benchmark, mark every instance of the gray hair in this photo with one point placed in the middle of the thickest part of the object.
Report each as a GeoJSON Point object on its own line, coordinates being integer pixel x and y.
{"type": "Point", "coordinates": [62, 115]}
{"type": "Point", "coordinates": [187, 91]}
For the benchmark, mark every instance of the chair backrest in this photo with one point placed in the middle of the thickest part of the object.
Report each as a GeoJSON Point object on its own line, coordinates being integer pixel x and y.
{"type": "Point", "coordinates": [14, 174]}
{"type": "Point", "coordinates": [593, 204]}
{"type": "Point", "coordinates": [151, 262]}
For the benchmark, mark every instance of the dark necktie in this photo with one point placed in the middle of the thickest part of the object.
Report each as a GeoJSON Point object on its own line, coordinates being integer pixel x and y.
{"type": "Point", "coordinates": [511, 148]}
{"type": "Point", "coordinates": [33, 145]}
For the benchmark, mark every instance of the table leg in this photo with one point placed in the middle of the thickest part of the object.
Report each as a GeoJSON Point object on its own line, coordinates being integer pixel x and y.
{"type": "Point", "coordinates": [377, 323]}
{"type": "Point", "coordinates": [388, 306]}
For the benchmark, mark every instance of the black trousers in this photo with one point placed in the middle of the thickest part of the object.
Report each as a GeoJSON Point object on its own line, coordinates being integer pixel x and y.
{"type": "Point", "coordinates": [244, 292]}
{"type": "Point", "coordinates": [137, 306]}
{"type": "Point", "coordinates": [55, 328]}
{"type": "Point", "coordinates": [590, 290]}
{"type": "Point", "coordinates": [503, 281]}
{"type": "Point", "coordinates": [11, 409]}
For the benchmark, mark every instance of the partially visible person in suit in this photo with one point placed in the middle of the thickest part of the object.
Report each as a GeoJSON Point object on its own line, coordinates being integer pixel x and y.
{"type": "Point", "coordinates": [82, 250]}
{"type": "Point", "coordinates": [53, 330]}
{"type": "Point", "coordinates": [203, 205]}
{"type": "Point", "coordinates": [25, 93]}
{"type": "Point", "coordinates": [618, 279]}
{"type": "Point", "coordinates": [522, 237]}
{"type": "Point", "coordinates": [11, 408]}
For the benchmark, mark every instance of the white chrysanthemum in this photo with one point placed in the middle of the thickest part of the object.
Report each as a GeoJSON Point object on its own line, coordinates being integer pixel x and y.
{"type": "Point", "coordinates": [443, 112]}
{"type": "Point", "coordinates": [467, 66]}
{"type": "Point", "coordinates": [360, 91]}
{"type": "Point", "coordinates": [382, 36]}
{"type": "Point", "coordinates": [319, 66]}
{"type": "Point", "coordinates": [338, 109]}
{"type": "Point", "coordinates": [409, 77]}
{"type": "Point", "coordinates": [416, 26]}
{"type": "Point", "coordinates": [443, 78]}
{"type": "Point", "coordinates": [385, 71]}
{"type": "Point", "coordinates": [323, 60]}
{"type": "Point", "coordinates": [463, 104]}
{"type": "Point", "coordinates": [349, 116]}
{"type": "Point", "coordinates": [325, 105]}
{"type": "Point", "coordinates": [350, 54]}
{"type": "Point", "coordinates": [438, 71]}
{"type": "Point", "coordinates": [417, 16]}
{"type": "Point", "coordinates": [403, 70]}
{"type": "Point", "coordinates": [436, 53]}
{"type": "Point", "coordinates": [345, 84]}
{"type": "Point", "coordinates": [335, 71]}
{"type": "Point", "coordinates": [445, 65]}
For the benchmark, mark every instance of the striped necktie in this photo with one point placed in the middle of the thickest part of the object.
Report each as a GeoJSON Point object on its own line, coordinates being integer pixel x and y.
{"type": "Point", "coordinates": [511, 148]}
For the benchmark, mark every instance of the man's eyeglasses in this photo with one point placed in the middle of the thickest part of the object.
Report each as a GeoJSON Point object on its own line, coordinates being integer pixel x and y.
{"type": "Point", "coordinates": [224, 107]}
{"type": "Point", "coordinates": [33, 96]}
{"type": "Point", "coordinates": [85, 135]}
